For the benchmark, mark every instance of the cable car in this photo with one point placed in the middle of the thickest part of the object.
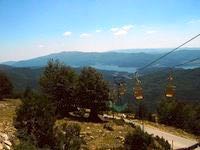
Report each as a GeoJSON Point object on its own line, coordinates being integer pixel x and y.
{"type": "Point", "coordinates": [170, 89]}
{"type": "Point", "coordinates": [137, 90]}
{"type": "Point", "coordinates": [122, 89]}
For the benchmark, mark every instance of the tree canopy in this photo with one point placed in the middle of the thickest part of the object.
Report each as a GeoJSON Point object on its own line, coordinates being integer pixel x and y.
{"type": "Point", "coordinates": [5, 86]}
{"type": "Point", "coordinates": [93, 91]}
{"type": "Point", "coordinates": [58, 83]}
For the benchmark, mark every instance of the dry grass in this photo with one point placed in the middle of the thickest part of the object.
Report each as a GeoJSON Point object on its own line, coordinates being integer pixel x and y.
{"type": "Point", "coordinates": [7, 113]}
{"type": "Point", "coordinates": [97, 137]}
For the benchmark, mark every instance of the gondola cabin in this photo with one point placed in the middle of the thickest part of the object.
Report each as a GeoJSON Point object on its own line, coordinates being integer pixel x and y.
{"type": "Point", "coordinates": [170, 91]}
{"type": "Point", "coordinates": [122, 89]}
{"type": "Point", "coordinates": [137, 92]}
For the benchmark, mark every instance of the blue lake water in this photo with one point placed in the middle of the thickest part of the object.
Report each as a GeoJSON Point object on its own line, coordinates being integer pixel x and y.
{"type": "Point", "coordinates": [115, 68]}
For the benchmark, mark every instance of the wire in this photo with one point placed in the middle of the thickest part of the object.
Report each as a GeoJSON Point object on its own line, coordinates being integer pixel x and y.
{"type": "Point", "coordinates": [140, 69]}
{"type": "Point", "coordinates": [190, 61]}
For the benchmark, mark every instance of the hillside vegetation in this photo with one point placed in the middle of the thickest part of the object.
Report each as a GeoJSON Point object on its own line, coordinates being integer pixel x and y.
{"type": "Point", "coordinates": [153, 82]}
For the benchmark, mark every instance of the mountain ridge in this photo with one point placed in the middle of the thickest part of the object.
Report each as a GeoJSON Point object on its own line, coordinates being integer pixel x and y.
{"type": "Point", "coordinates": [121, 59]}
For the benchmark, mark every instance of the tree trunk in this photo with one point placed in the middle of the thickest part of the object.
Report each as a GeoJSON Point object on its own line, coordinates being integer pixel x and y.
{"type": "Point", "coordinates": [94, 115]}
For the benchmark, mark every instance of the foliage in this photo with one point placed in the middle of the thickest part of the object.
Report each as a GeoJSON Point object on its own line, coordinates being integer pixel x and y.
{"type": "Point", "coordinates": [139, 139]}
{"type": "Point", "coordinates": [5, 86]}
{"type": "Point", "coordinates": [25, 145]}
{"type": "Point", "coordinates": [58, 83]}
{"type": "Point", "coordinates": [67, 136]}
{"type": "Point", "coordinates": [141, 111]}
{"type": "Point", "coordinates": [187, 83]}
{"type": "Point", "coordinates": [27, 92]}
{"type": "Point", "coordinates": [36, 117]}
{"type": "Point", "coordinates": [93, 91]}
{"type": "Point", "coordinates": [180, 114]}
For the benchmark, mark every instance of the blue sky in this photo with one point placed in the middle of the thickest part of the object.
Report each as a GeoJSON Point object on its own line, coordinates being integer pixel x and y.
{"type": "Point", "coordinates": [31, 28]}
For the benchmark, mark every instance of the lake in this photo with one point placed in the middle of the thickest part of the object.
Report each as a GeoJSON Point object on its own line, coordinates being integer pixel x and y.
{"type": "Point", "coordinates": [115, 68]}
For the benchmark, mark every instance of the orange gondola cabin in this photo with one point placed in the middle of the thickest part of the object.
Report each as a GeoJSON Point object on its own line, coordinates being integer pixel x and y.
{"type": "Point", "coordinates": [170, 89]}
{"type": "Point", "coordinates": [137, 91]}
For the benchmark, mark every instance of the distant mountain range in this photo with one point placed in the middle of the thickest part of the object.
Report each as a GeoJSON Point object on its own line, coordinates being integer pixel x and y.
{"type": "Point", "coordinates": [120, 59]}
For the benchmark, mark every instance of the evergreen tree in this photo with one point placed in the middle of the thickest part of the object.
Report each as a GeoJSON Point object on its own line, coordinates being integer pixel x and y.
{"type": "Point", "coordinates": [58, 83]}
{"type": "Point", "coordinates": [5, 86]}
{"type": "Point", "coordinates": [93, 92]}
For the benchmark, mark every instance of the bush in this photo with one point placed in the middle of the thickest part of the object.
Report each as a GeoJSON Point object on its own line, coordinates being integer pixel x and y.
{"type": "Point", "coordinates": [141, 140]}
{"type": "Point", "coordinates": [180, 114]}
{"type": "Point", "coordinates": [119, 122]}
{"type": "Point", "coordinates": [67, 136]}
{"type": "Point", "coordinates": [36, 118]}
{"type": "Point", "coordinates": [25, 145]}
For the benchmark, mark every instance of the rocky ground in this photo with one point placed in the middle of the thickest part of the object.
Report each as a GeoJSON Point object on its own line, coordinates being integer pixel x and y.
{"type": "Point", "coordinates": [108, 135]}
{"type": "Point", "coordinates": [7, 131]}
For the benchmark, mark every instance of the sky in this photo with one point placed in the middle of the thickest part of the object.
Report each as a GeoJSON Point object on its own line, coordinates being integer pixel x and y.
{"type": "Point", "coordinates": [32, 28]}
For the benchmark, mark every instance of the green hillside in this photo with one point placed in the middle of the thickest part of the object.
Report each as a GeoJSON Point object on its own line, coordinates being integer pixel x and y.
{"type": "Point", "coordinates": [153, 81]}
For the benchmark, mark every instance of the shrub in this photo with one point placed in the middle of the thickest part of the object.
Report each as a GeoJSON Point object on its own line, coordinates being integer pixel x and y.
{"type": "Point", "coordinates": [36, 118]}
{"type": "Point", "coordinates": [141, 140]}
{"type": "Point", "coordinates": [25, 145]}
{"type": "Point", "coordinates": [119, 122]}
{"type": "Point", "coordinates": [67, 136]}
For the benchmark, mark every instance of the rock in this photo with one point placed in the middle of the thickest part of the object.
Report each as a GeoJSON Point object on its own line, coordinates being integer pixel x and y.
{"type": "Point", "coordinates": [108, 127]}
{"type": "Point", "coordinates": [1, 146]}
{"type": "Point", "coordinates": [8, 143]}
{"type": "Point", "coordinates": [91, 137]}
{"type": "Point", "coordinates": [83, 133]}
{"type": "Point", "coordinates": [88, 128]}
{"type": "Point", "coordinates": [7, 147]}
{"type": "Point", "coordinates": [88, 133]}
{"type": "Point", "coordinates": [100, 131]}
{"type": "Point", "coordinates": [121, 138]}
{"type": "Point", "coordinates": [4, 136]}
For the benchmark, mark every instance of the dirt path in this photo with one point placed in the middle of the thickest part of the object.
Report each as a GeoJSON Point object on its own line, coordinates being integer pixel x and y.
{"type": "Point", "coordinates": [175, 140]}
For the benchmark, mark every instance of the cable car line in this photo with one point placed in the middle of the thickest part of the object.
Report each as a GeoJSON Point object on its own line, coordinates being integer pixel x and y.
{"type": "Point", "coordinates": [190, 61]}
{"type": "Point", "coordinates": [140, 69]}
{"type": "Point", "coordinates": [170, 91]}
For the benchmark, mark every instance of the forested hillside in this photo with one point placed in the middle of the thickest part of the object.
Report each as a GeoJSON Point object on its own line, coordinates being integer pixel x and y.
{"type": "Point", "coordinates": [153, 82]}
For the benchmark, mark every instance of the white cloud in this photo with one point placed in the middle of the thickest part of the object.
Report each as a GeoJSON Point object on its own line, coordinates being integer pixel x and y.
{"type": "Point", "coordinates": [67, 33]}
{"type": "Point", "coordinates": [114, 29]}
{"type": "Point", "coordinates": [85, 35]}
{"type": "Point", "coordinates": [127, 27]}
{"type": "Point", "coordinates": [120, 31]}
{"type": "Point", "coordinates": [41, 46]}
{"type": "Point", "coordinates": [151, 31]}
{"type": "Point", "coordinates": [98, 31]}
{"type": "Point", "coordinates": [194, 21]}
